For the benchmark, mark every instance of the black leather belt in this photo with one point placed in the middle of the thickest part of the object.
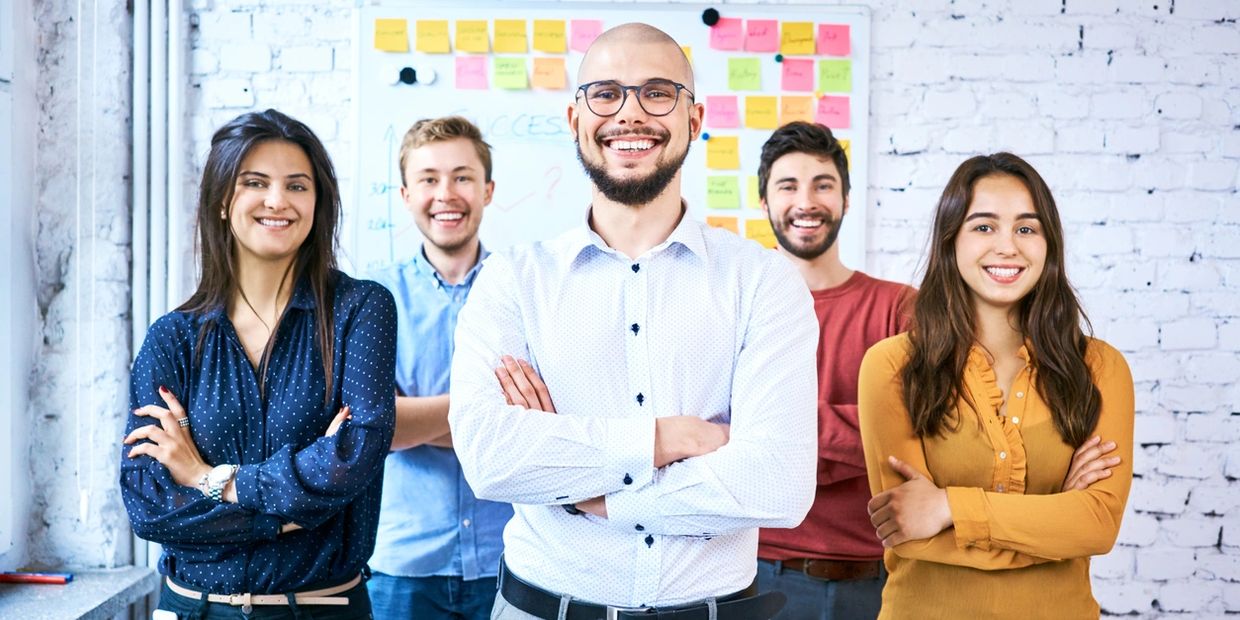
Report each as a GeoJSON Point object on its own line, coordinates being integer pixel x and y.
{"type": "Point", "coordinates": [744, 605]}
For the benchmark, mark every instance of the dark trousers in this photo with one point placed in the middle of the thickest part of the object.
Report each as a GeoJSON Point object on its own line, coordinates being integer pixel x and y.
{"type": "Point", "coordinates": [431, 598]}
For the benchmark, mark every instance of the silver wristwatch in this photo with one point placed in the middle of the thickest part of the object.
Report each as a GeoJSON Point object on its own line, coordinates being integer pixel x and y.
{"type": "Point", "coordinates": [212, 484]}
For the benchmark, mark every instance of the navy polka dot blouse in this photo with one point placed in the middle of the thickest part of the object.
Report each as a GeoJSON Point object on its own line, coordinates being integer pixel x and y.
{"type": "Point", "coordinates": [290, 472]}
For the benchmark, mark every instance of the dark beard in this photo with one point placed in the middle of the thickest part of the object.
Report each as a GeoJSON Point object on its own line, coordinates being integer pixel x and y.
{"type": "Point", "coordinates": [633, 192]}
{"type": "Point", "coordinates": [813, 251]}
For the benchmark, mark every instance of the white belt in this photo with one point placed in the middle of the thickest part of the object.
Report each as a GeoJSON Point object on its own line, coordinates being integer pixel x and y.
{"type": "Point", "coordinates": [247, 600]}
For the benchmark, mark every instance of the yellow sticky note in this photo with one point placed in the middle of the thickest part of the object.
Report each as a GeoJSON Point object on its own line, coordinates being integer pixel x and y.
{"type": "Point", "coordinates": [719, 221]}
{"type": "Point", "coordinates": [510, 74]}
{"type": "Point", "coordinates": [549, 73]}
{"type": "Point", "coordinates": [392, 35]}
{"type": "Point", "coordinates": [847, 144]}
{"type": "Point", "coordinates": [796, 38]}
{"type": "Point", "coordinates": [688, 52]}
{"type": "Point", "coordinates": [510, 36]}
{"type": "Point", "coordinates": [723, 192]}
{"type": "Point", "coordinates": [760, 231]}
{"type": "Point", "coordinates": [761, 112]}
{"type": "Point", "coordinates": [549, 36]}
{"type": "Point", "coordinates": [432, 36]}
{"type": "Point", "coordinates": [471, 36]}
{"type": "Point", "coordinates": [796, 108]}
{"type": "Point", "coordinates": [752, 199]}
{"type": "Point", "coordinates": [723, 153]}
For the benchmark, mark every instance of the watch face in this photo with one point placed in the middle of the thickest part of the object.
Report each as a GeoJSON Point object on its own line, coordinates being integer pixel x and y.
{"type": "Point", "coordinates": [219, 475]}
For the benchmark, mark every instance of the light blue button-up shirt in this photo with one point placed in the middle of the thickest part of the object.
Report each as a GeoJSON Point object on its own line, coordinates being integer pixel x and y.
{"type": "Point", "coordinates": [430, 522]}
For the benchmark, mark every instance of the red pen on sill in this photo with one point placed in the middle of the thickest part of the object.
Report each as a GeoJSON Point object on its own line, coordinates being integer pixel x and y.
{"type": "Point", "coordinates": [24, 577]}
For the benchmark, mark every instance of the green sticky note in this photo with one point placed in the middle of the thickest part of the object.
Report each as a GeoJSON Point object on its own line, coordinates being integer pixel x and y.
{"type": "Point", "coordinates": [835, 76]}
{"type": "Point", "coordinates": [510, 73]}
{"type": "Point", "coordinates": [723, 192]}
{"type": "Point", "coordinates": [752, 200]}
{"type": "Point", "coordinates": [744, 74]}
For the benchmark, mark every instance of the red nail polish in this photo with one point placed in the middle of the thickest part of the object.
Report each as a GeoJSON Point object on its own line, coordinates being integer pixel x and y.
{"type": "Point", "coordinates": [163, 389]}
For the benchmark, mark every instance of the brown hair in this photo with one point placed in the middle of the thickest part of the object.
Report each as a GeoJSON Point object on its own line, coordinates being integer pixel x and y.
{"type": "Point", "coordinates": [1050, 316]}
{"type": "Point", "coordinates": [429, 130]}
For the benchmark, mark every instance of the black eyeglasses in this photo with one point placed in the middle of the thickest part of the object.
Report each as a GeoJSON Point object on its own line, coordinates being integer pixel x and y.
{"type": "Point", "coordinates": [657, 97]}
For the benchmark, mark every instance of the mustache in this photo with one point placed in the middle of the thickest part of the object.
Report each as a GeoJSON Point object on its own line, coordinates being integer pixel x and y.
{"type": "Point", "coordinates": [649, 132]}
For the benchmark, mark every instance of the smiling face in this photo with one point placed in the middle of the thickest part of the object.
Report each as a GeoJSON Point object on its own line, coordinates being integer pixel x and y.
{"type": "Point", "coordinates": [805, 203]}
{"type": "Point", "coordinates": [1000, 249]}
{"type": "Point", "coordinates": [445, 190]}
{"type": "Point", "coordinates": [632, 157]}
{"type": "Point", "coordinates": [272, 208]}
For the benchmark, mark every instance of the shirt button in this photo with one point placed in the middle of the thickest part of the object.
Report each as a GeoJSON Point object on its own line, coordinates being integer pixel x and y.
{"type": "Point", "coordinates": [1020, 395]}
{"type": "Point", "coordinates": [999, 488]}
{"type": "Point", "coordinates": [649, 540]}
{"type": "Point", "coordinates": [1002, 455]}
{"type": "Point", "coordinates": [639, 527]}
{"type": "Point", "coordinates": [628, 479]}
{"type": "Point", "coordinates": [640, 399]}
{"type": "Point", "coordinates": [635, 327]}
{"type": "Point", "coordinates": [1015, 419]}
{"type": "Point", "coordinates": [636, 268]}
{"type": "Point", "coordinates": [466, 522]}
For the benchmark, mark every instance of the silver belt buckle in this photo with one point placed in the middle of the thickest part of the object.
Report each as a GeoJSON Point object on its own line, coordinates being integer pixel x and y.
{"type": "Point", "coordinates": [613, 613]}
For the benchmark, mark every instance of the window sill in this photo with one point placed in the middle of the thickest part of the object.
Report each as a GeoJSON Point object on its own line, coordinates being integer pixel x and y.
{"type": "Point", "coordinates": [93, 594]}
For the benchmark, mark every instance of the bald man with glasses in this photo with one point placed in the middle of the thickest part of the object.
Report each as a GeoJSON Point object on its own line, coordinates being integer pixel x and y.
{"type": "Point", "coordinates": [657, 385]}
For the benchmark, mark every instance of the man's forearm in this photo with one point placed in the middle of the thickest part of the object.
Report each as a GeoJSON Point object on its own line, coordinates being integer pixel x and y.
{"type": "Point", "coordinates": [421, 420]}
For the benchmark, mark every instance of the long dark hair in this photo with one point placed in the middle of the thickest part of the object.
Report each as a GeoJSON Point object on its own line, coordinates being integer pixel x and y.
{"type": "Point", "coordinates": [1050, 316]}
{"type": "Point", "coordinates": [315, 259]}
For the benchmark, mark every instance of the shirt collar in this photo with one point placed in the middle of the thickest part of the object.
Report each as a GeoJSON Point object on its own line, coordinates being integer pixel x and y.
{"type": "Point", "coordinates": [688, 233]}
{"type": "Point", "coordinates": [424, 267]}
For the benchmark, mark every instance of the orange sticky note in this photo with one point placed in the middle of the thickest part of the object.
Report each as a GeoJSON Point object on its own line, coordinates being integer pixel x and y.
{"type": "Point", "coordinates": [761, 112]}
{"type": "Point", "coordinates": [510, 36]}
{"type": "Point", "coordinates": [471, 36]}
{"type": "Point", "coordinates": [723, 153]}
{"type": "Point", "coordinates": [549, 73]}
{"type": "Point", "coordinates": [796, 108]}
{"type": "Point", "coordinates": [796, 38]}
{"type": "Point", "coordinates": [432, 36]}
{"type": "Point", "coordinates": [688, 53]}
{"type": "Point", "coordinates": [728, 223]}
{"type": "Point", "coordinates": [392, 35]}
{"type": "Point", "coordinates": [549, 36]}
{"type": "Point", "coordinates": [760, 231]}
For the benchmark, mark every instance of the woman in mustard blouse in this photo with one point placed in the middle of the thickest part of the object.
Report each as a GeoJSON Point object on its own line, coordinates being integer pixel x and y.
{"type": "Point", "coordinates": [970, 421]}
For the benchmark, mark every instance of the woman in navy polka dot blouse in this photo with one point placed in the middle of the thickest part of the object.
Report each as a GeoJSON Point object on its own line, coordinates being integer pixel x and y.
{"type": "Point", "coordinates": [264, 405]}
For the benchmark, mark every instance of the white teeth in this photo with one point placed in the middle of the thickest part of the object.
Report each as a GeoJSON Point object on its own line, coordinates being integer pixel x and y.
{"type": "Point", "coordinates": [274, 223]}
{"type": "Point", "coordinates": [448, 217]}
{"type": "Point", "coordinates": [1003, 272]}
{"type": "Point", "coordinates": [803, 223]}
{"type": "Point", "coordinates": [632, 145]}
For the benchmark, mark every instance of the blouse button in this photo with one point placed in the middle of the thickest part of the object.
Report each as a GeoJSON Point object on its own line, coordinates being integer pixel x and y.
{"type": "Point", "coordinates": [1015, 419]}
{"type": "Point", "coordinates": [1002, 455]}
{"type": "Point", "coordinates": [999, 488]}
{"type": "Point", "coordinates": [1020, 395]}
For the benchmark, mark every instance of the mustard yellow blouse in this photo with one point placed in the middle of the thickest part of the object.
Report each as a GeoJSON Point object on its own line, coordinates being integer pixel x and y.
{"type": "Point", "coordinates": [1020, 548]}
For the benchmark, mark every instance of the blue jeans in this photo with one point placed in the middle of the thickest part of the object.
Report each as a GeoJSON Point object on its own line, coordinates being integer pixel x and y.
{"type": "Point", "coordinates": [431, 598]}
{"type": "Point", "coordinates": [187, 608]}
{"type": "Point", "coordinates": [818, 599]}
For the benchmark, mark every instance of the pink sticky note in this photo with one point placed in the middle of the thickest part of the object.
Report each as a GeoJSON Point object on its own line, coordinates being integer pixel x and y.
{"type": "Point", "coordinates": [722, 112]}
{"type": "Point", "coordinates": [583, 33]}
{"type": "Point", "coordinates": [726, 34]}
{"type": "Point", "coordinates": [471, 72]}
{"type": "Point", "coordinates": [762, 35]}
{"type": "Point", "coordinates": [833, 40]}
{"type": "Point", "coordinates": [833, 112]}
{"type": "Point", "coordinates": [798, 74]}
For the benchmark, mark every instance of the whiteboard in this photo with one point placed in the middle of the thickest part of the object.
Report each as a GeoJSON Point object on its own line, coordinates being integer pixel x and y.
{"type": "Point", "coordinates": [540, 188]}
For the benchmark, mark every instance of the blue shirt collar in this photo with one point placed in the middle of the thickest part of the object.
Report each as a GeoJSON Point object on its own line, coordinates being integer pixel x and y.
{"type": "Point", "coordinates": [424, 268]}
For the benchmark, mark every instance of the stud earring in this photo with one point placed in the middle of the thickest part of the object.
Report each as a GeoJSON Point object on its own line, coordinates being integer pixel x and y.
{"type": "Point", "coordinates": [223, 214]}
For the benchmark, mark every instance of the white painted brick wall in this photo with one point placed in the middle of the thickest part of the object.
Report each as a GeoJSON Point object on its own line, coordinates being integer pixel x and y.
{"type": "Point", "coordinates": [1130, 110]}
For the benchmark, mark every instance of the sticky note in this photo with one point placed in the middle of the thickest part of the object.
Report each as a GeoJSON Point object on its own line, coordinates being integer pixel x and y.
{"type": "Point", "coordinates": [432, 36]}
{"type": "Point", "coordinates": [796, 38]}
{"type": "Point", "coordinates": [723, 153]}
{"type": "Point", "coordinates": [549, 73]}
{"type": "Point", "coordinates": [761, 112]}
{"type": "Point", "coordinates": [797, 74]}
{"type": "Point", "coordinates": [760, 231]}
{"type": "Point", "coordinates": [835, 76]}
{"type": "Point", "coordinates": [510, 73]}
{"type": "Point", "coordinates": [549, 36]}
{"type": "Point", "coordinates": [752, 199]}
{"type": "Point", "coordinates": [833, 40]}
{"type": "Point", "coordinates": [762, 35]}
{"type": "Point", "coordinates": [796, 108]}
{"type": "Point", "coordinates": [833, 112]}
{"type": "Point", "coordinates": [583, 32]}
{"type": "Point", "coordinates": [510, 36]}
{"type": "Point", "coordinates": [847, 144]}
{"type": "Point", "coordinates": [723, 192]}
{"type": "Point", "coordinates": [728, 223]}
{"type": "Point", "coordinates": [722, 112]}
{"type": "Point", "coordinates": [471, 72]}
{"type": "Point", "coordinates": [744, 74]}
{"type": "Point", "coordinates": [471, 36]}
{"type": "Point", "coordinates": [688, 53]}
{"type": "Point", "coordinates": [392, 35]}
{"type": "Point", "coordinates": [726, 34]}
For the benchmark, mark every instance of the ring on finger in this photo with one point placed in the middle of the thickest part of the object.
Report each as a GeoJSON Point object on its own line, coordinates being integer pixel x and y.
{"type": "Point", "coordinates": [184, 422]}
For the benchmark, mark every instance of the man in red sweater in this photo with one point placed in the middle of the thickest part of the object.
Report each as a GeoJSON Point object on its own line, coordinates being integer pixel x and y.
{"type": "Point", "coordinates": [830, 566]}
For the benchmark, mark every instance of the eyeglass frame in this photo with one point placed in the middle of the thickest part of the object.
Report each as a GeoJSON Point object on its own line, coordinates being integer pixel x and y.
{"type": "Point", "coordinates": [624, 96]}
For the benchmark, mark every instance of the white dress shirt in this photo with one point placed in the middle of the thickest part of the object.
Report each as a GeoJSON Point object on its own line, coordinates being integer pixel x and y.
{"type": "Point", "coordinates": [705, 324]}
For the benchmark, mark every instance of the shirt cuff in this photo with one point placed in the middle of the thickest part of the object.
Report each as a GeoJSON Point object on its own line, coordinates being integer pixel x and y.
{"type": "Point", "coordinates": [968, 508]}
{"type": "Point", "coordinates": [630, 451]}
{"type": "Point", "coordinates": [634, 512]}
{"type": "Point", "coordinates": [246, 483]}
